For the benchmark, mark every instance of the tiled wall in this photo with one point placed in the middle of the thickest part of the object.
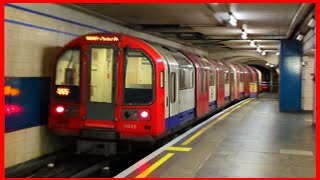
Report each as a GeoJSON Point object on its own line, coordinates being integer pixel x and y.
{"type": "Point", "coordinates": [308, 83]}
{"type": "Point", "coordinates": [30, 143]}
{"type": "Point", "coordinates": [33, 34]}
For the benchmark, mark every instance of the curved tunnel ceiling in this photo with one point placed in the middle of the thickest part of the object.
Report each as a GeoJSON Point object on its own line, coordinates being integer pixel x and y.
{"type": "Point", "coordinates": [249, 60]}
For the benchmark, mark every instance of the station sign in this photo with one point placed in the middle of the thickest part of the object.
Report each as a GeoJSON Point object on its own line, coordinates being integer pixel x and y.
{"type": "Point", "coordinates": [102, 38]}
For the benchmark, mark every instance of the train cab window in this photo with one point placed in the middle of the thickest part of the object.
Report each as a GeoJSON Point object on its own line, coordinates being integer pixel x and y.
{"type": "Point", "coordinates": [139, 78]}
{"type": "Point", "coordinates": [101, 81]}
{"type": "Point", "coordinates": [68, 68]}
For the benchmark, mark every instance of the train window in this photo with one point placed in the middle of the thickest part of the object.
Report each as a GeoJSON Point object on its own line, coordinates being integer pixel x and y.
{"type": "Point", "coordinates": [161, 79]}
{"type": "Point", "coordinates": [242, 77]}
{"type": "Point", "coordinates": [173, 87]}
{"type": "Point", "coordinates": [101, 85]}
{"type": "Point", "coordinates": [68, 68]}
{"type": "Point", "coordinates": [227, 77]}
{"type": "Point", "coordinates": [185, 73]}
{"type": "Point", "coordinates": [139, 78]}
{"type": "Point", "coordinates": [205, 83]}
{"type": "Point", "coordinates": [212, 78]}
{"type": "Point", "coordinates": [204, 80]}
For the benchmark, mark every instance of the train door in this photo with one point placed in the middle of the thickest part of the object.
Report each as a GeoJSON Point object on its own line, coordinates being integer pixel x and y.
{"type": "Point", "coordinates": [212, 90]}
{"type": "Point", "coordinates": [173, 89]}
{"type": "Point", "coordinates": [172, 86]}
{"type": "Point", "coordinates": [101, 74]}
{"type": "Point", "coordinates": [235, 82]}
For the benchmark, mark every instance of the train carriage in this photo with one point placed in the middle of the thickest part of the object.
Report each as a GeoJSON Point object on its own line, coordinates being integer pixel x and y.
{"type": "Point", "coordinates": [253, 81]}
{"type": "Point", "coordinates": [110, 88]}
{"type": "Point", "coordinates": [236, 77]}
{"type": "Point", "coordinates": [202, 90]}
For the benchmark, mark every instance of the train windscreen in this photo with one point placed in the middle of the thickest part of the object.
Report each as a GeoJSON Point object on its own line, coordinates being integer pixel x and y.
{"type": "Point", "coordinates": [139, 79]}
{"type": "Point", "coordinates": [67, 77]}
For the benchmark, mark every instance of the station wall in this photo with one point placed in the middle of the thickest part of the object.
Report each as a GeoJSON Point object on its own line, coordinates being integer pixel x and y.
{"type": "Point", "coordinates": [33, 34]}
{"type": "Point", "coordinates": [308, 70]}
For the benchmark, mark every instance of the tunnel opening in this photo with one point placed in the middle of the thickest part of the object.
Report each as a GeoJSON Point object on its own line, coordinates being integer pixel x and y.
{"type": "Point", "coordinates": [270, 78]}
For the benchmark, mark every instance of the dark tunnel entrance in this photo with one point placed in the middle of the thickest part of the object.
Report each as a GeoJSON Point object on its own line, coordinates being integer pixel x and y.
{"type": "Point", "coordinates": [270, 78]}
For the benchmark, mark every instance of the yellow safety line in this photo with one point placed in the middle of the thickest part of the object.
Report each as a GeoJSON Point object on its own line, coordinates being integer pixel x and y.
{"type": "Point", "coordinates": [190, 139]}
{"type": "Point", "coordinates": [155, 165]}
{"type": "Point", "coordinates": [183, 149]}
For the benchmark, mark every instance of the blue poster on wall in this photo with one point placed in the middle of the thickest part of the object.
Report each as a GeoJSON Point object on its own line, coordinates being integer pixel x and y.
{"type": "Point", "coordinates": [26, 102]}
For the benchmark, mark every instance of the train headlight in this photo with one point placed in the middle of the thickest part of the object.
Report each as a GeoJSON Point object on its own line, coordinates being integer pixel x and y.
{"type": "Point", "coordinates": [144, 115]}
{"type": "Point", "coordinates": [136, 114]}
{"type": "Point", "coordinates": [60, 109]}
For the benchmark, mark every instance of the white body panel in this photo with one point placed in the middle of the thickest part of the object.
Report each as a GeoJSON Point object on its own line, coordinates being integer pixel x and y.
{"type": "Point", "coordinates": [241, 87]}
{"type": "Point", "coordinates": [187, 100]}
{"type": "Point", "coordinates": [226, 90]}
{"type": "Point", "coordinates": [212, 93]}
{"type": "Point", "coordinates": [172, 108]}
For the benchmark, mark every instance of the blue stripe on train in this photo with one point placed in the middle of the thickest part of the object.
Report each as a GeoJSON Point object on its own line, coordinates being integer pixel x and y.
{"type": "Point", "coordinates": [212, 105]}
{"type": "Point", "coordinates": [253, 95]}
{"type": "Point", "coordinates": [177, 119]}
{"type": "Point", "coordinates": [33, 100]}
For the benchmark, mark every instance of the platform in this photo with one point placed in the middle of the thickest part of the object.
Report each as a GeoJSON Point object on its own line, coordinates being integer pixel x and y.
{"type": "Point", "coordinates": [250, 139]}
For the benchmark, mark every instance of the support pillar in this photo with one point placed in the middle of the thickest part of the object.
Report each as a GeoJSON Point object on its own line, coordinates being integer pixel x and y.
{"type": "Point", "coordinates": [290, 75]}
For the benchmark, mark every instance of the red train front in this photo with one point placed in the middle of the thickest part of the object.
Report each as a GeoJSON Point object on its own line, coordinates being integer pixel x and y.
{"type": "Point", "coordinates": [104, 88]}
{"type": "Point", "coordinates": [113, 88]}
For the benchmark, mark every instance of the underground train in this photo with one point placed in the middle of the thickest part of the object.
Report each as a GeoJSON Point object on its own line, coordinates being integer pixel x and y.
{"type": "Point", "coordinates": [109, 88]}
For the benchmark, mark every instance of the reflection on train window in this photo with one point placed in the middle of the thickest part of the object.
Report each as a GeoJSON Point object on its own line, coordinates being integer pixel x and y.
{"type": "Point", "coordinates": [185, 72]}
{"type": "Point", "coordinates": [212, 78]}
{"type": "Point", "coordinates": [101, 75]}
{"type": "Point", "coordinates": [68, 68]}
{"type": "Point", "coordinates": [138, 78]}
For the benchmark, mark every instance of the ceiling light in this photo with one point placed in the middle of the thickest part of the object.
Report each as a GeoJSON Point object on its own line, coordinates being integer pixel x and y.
{"type": "Point", "coordinates": [277, 53]}
{"type": "Point", "coordinates": [258, 49]}
{"type": "Point", "coordinates": [232, 19]}
{"type": "Point", "coordinates": [252, 44]}
{"type": "Point", "coordinates": [244, 35]}
{"type": "Point", "coordinates": [300, 37]}
{"type": "Point", "coordinates": [271, 65]}
{"type": "Point", "coordinates": [311, 23]}
{"type": "Point", "coordinates": [263, 53]}
{"type": "Point", "coordinates": [267, 64]}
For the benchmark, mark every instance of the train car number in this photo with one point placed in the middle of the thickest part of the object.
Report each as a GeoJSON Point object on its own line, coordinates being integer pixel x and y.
{"type": "Point", "coordinates": [130, 126]}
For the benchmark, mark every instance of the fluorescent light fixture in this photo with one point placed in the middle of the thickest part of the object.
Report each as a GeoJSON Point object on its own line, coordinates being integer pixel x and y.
{"type": "Point", "coordinates": [277, 53]}
{"type": "Point", "coordinates": [263, 53]}
{"type": "Point", "coordinates": [232, 19]}
{"type": "Point", "coordinates": [300, 37]}
{"type": "Point", "coordinates": [244, 35]}
{"type": "Point", "coordinates": [311, 23]}
{"type": "Point", "coordinates": [252, 44]}
{"type": "Point", "coordinates": [258, 49]}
